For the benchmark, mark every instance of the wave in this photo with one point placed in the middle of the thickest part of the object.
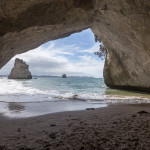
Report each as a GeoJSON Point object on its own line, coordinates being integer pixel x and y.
{"type": "Point", "coordinates": [16, 91]}
{"type": "Point", "coordinates": [16, 87]}
{"type": "Point", "coordinates": [107, 98]}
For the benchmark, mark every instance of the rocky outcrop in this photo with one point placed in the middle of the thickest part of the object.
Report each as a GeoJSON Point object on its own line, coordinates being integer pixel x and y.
{"type": "Point", "coordinates": [122, 25]}
{"type": "Point", "coordinates": [124, 30]}
{"type": "Point", "coordinates": [20, 70]}
{"type": "Point", "coordinates": [64, 76]}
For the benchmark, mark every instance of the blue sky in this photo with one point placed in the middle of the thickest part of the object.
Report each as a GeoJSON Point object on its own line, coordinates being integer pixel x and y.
{"type": "Point", "coordinates": [73, 55]}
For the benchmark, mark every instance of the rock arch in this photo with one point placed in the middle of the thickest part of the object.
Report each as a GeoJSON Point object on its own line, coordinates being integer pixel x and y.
{"type": "Point", "coordinates": [122, 25]}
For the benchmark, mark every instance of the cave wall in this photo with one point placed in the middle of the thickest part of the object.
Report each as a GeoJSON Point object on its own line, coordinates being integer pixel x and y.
{"type": "Point", "coordinates": [122, 25]}
{"type": "Point", "coordinates": [26, 24]}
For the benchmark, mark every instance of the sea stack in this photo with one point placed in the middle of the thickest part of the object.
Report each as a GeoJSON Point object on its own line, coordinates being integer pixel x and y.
{"type": "Point", "coordinates": [20, 70]}
{"type": "Point", "coordinates": [64, 76]}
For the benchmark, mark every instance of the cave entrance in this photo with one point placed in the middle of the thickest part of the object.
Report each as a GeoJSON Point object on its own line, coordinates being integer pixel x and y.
{"type": "Point", "coordinates": [73, 56]}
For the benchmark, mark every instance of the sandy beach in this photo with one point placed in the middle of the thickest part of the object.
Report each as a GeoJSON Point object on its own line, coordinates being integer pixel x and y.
{"type": "Point", "coordinates": [116, 127]}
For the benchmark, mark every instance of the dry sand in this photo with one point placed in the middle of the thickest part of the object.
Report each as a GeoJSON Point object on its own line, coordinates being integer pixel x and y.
{"type": "Point", "coordinates": [117, 127]}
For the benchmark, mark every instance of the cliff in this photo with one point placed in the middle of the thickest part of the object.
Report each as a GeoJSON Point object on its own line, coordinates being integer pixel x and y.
{"type": "Point", "coordinates": [20, 70]}
{"type": "Point", "coordinates": [122, 25]}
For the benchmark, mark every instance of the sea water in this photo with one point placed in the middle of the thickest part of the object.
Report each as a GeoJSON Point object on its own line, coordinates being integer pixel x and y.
{"type": "Point", "coordinates": [26, 98]}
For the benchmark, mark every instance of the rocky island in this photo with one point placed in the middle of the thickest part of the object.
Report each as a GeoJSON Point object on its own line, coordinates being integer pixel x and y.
{"type": "Point", "coordinates": [64, 76]}
{"type": "Point", "coordinates": [20, 70]}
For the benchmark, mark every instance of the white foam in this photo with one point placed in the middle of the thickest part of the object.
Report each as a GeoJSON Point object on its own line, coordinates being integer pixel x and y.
{"type": "Point", "coordinates": [104, 98]}
{"type": "Point", "coordinates": [16, 91]}
{"type": "Point", "coordinates": [15, 87]}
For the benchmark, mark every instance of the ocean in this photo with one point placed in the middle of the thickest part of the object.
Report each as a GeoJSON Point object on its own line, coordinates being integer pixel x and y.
{"type": "Point", "coordinates": [27, 98]}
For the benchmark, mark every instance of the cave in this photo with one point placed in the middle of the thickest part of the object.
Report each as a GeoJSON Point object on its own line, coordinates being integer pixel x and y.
{"type": "Point", "coordinates": [122, 25]}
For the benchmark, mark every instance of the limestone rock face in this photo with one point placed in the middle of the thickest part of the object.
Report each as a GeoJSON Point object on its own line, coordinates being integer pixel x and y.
{"type": "Point", "coordinates": [20, 70]}
{"type": "Point", "coordinates": [124, 28]}
{"type": "Point", "coordinates": [122, 25]}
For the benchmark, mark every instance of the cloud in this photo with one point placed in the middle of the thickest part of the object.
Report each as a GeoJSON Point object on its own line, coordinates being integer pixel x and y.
{"type": "Point", "coordinates": [90, 66]}
{"type": "Point", "coordinates": [54, 58]}
{"type": "Point", "coordinates": [93, 49]}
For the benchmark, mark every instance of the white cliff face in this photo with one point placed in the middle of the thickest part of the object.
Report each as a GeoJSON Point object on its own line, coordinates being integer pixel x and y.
{"type": "Point", "coordinates": [20, 70]}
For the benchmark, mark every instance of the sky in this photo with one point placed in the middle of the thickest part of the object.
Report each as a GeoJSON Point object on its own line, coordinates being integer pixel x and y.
{"type": "Point", "coordinates": [73, 55]}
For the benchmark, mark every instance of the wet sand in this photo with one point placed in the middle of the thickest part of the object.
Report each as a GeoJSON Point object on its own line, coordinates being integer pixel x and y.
{"type": "Point", "coordinates": [24, 110]}
{"type": "Point", "coordinates": [116, 127]}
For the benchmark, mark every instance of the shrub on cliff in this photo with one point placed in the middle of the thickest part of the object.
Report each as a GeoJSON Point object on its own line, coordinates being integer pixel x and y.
{"type": "Point", "coordinates": [102, 49]}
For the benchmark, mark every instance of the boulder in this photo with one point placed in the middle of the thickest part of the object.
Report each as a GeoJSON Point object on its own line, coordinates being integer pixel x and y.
{"type": "Point", "coordinates": [20, 70]}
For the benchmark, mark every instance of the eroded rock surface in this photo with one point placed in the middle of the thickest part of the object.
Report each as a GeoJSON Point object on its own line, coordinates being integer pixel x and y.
{"type": "Point", "coordinates": [122, 25]}
{"type": "Point", "coordinates": [20, 70]}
